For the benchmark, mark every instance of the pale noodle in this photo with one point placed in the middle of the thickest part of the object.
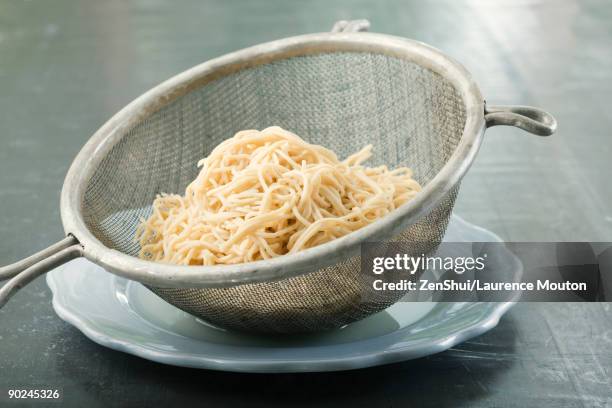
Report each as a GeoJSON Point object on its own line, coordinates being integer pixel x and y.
{"type": "Point", "coordinates": [264, 194]}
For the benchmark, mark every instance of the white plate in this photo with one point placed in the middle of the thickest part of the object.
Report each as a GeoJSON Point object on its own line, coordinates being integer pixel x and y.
{"type": "Point", "coordinates": [125, 316]}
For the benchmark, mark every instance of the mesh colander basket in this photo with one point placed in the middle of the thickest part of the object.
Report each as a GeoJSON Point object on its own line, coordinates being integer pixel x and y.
{"type": "Point", "coordinates": [343, 90]}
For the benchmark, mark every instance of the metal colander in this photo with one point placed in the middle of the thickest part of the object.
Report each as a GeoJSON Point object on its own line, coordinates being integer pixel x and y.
{"type": "Point", "coordinates": [343, 90]}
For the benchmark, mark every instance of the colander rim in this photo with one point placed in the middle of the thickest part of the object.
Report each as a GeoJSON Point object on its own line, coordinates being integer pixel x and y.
{"type": "Point", "coordinates": [167, 275]}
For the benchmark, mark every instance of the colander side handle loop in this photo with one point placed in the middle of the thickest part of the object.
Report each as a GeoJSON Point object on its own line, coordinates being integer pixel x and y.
{"type": "Point", "coordinates": [533, 120]}
{"type": "Point", "coordinates": [23, 272]}
{"type": "Point", "coordinates": [350, 26]}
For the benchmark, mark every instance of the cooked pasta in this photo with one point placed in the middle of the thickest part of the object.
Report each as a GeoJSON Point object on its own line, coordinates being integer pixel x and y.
{"type": "Point", "coordinates": [263, 194]}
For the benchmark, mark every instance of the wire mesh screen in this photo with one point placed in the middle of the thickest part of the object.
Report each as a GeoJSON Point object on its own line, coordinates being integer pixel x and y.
{"type": "Point", "coordinates": [412, 116]}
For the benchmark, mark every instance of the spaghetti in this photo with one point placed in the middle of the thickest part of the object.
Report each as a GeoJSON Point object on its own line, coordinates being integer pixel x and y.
{"type": "Point", "coordinates": [263, 194]}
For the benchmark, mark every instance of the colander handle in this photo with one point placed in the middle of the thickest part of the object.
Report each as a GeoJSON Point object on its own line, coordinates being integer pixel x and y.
{"type": "Point", "coordinates": [23, 272]}
{"type": "Point", "coordinates": [533, 120]}
{"type": "Point", "coordinates": [350, 26]}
